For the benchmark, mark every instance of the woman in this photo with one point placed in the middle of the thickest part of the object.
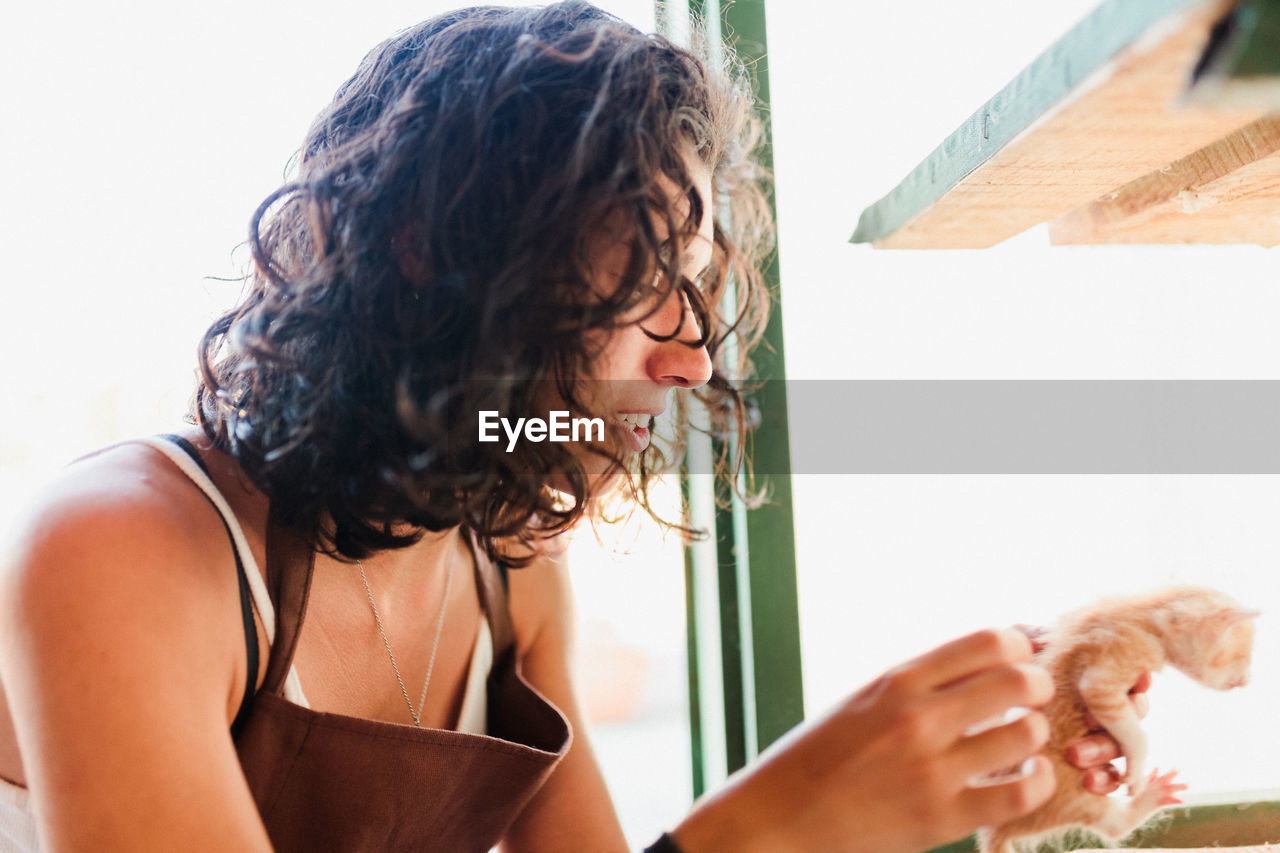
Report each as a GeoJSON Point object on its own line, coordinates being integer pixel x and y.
{"type": "Point", "coordinates": [503, 214]}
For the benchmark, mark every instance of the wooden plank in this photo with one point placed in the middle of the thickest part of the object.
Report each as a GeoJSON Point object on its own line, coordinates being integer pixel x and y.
{"type": "Point", "coordinates": [1091, 114]}
{"type": "Point", "coordinates": [1227, 192]}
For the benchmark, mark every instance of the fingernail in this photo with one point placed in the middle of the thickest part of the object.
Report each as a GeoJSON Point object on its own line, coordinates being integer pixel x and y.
{"type": "Point", "coordinates": [1087, 752]}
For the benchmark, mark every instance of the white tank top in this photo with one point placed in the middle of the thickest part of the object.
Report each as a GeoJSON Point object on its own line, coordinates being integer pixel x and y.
{"type": "Point", "coordinates": [17, 822]}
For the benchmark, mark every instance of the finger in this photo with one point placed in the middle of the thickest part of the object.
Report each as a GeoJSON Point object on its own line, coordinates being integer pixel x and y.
{"type": "Point", "coordinates": [1005, 746]}
{"type": "Point", "coordinates": [996, 804]}
{"type": "Point", "coordinates": [1092, 751]}
{"type": "Point", "coordinates": [1035, 634]}
{"type": "Point", "coordinates": [1101, 780]}
{"type": "Point", "coordinates": [967, 656]}
{"type": "Point", "coordinates": [987, 696]}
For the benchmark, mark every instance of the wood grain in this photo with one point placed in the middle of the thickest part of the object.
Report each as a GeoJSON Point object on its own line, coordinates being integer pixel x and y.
{"type": "Point", "coordinates": [1227, 192]}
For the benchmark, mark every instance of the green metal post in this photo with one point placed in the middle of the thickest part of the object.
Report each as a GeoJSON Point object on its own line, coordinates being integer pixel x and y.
{"type": "Point", "coordinates": [770, 531]}
{"type": "Point", "coordinates": [757, 682]}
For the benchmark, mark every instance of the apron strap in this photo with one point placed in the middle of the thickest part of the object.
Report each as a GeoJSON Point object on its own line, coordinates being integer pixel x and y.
{"type": "Point", "coordinates": [290, 563]}
{"type": "Point", "coordinates": [493, 598]}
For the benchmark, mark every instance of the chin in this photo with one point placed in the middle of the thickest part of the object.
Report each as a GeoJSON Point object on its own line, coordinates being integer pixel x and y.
{"type": "Point", "coordinates": [604, 476]}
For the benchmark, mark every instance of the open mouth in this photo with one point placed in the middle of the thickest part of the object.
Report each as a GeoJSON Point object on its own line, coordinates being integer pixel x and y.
{"type": "Point", "coordinates": [635, 429]}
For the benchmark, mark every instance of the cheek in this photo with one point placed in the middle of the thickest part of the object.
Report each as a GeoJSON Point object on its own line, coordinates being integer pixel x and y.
{"type": "Point", "coordinates": [621, 353]}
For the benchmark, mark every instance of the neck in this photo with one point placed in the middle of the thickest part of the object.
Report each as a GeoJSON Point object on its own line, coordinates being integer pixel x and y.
{"type": "Point", "coordinates": [417, 568]}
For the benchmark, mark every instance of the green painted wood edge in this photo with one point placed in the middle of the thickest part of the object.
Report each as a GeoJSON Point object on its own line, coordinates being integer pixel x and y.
{"type": "Point", "coordinates": [1226, 826]}
{"type": "Point", "coordinates": [1042, 84]}
{"type": "Point", "coordinates": [776, 678]}
{"type": "Point", "coordinates": [1236, 824]}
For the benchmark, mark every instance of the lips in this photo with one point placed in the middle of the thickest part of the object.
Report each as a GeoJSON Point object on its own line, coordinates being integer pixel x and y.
{"type": "Point", "coordinates": [634, 427]}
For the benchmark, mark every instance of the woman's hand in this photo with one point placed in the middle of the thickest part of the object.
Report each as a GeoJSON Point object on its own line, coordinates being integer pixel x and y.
{"type": "Point", "coordinates": [1094, 752]}
{"type": "Point", "coordinates": [892, 769]}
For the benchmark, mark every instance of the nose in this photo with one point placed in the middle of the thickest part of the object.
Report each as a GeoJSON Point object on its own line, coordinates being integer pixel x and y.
{"type": "Point", "coordinates": [678, 361]}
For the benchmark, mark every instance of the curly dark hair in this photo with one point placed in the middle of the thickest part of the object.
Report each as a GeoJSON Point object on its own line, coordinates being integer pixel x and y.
{"type": "Point", "coordinates": [430, 259]}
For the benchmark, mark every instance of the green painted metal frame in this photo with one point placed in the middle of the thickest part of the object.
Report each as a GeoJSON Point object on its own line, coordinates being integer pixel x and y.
{"type": "Point", "coordinates": [1249, 43]}
{"type": "Point", "coordinates": [745, 682]}
{"type": "Point", "coordinates": [1245, 45]}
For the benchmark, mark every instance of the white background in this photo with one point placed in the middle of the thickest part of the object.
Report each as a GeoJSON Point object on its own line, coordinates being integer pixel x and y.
{"type": "Point", "coordinates": [139, 137]}
{"type": "Point", "coordinates": [893, 565]}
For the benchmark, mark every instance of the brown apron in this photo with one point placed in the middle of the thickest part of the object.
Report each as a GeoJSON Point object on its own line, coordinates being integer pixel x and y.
{"type": "Point", "coordinates": [328, 782]}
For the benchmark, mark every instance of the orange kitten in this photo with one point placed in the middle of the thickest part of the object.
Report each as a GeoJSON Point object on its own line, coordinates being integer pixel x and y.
{"type": "Point", "coordinates": [1095, 656]}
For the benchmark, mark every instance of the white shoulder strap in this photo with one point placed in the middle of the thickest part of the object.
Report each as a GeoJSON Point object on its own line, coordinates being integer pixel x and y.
{"type": "Point", "coordinates": [257, 587]}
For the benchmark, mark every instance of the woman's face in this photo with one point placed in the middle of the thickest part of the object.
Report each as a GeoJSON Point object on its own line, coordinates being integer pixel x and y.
{"type": "Point", "coordinates": [633, 376]}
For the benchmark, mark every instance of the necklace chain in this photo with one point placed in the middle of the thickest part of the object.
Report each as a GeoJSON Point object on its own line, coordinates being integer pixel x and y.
{"type": "Point", "coordinates": [435, 644]}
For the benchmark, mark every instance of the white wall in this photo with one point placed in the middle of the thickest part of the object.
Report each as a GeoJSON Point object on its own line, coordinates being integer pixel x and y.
{"type": "Point", "coordinates": [893, 565]}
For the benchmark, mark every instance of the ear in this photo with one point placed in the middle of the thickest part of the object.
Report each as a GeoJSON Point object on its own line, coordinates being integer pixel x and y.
{"type": "Point", "coordinates": [1232, 615]}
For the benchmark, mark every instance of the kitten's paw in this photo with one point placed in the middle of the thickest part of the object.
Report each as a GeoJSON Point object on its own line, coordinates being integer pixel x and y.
{"type": "Point", "coordinates": [1158, 791]}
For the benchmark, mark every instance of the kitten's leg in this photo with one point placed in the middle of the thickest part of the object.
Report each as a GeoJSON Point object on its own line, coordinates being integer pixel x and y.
{"type": "Point", "coordinates": [1120, 819]}
{"type": "Point", "coordinates": [1106, 696]}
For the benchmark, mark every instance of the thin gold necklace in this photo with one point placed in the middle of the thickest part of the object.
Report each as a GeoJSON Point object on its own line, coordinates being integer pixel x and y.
{"type": "Point", "coordinates": [435, 644]}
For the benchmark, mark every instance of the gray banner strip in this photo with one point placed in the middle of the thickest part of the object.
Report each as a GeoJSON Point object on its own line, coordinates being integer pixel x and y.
{"type": "Point", "coordinates": [1032, 427]}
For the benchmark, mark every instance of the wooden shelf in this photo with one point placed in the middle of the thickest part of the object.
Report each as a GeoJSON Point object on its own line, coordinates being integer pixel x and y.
{"type": "Point", "coordinates": [1106, 137]}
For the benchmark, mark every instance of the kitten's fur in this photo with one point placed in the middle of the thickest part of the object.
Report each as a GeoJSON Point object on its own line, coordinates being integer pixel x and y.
{"type": "Point", "coordinates": [1095, 656]}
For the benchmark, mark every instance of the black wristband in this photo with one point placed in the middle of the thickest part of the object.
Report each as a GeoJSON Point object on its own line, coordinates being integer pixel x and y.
{"type": "Point", "coordinates": [665, 844]}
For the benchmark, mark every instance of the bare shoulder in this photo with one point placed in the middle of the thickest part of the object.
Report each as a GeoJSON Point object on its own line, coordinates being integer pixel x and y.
{"type": "Point", "coordinates": [110, 516]}
{"type": "Point", "coordinates": [541, 599]}
{"type": "Point", "coordinates": [120, 643]}
{"type": "Point", "coordinates": [120, 541]}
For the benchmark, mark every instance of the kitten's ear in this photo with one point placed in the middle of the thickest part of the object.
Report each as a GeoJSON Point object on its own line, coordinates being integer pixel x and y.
{"type": "Point", "coordinates": [1233, 615]}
